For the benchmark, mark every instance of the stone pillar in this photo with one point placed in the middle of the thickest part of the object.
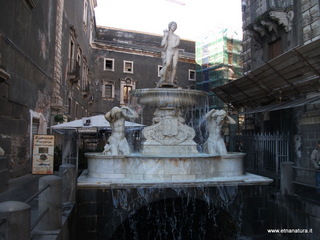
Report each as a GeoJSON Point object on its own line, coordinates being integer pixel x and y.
{"type": "Point", "coordinates": [287, 177]}
{"type": "Point", "coordinates": [50, 199]}
{"type": "Point", "coordinates": [16, 217]}
{"type": "Point", "coordinates": [57, 101]}
{"type": "Point", "coordinates": [69, 179]}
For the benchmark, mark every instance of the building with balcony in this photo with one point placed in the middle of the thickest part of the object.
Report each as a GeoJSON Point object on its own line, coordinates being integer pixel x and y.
{"type": "Point", "coordinates": [278, 95]}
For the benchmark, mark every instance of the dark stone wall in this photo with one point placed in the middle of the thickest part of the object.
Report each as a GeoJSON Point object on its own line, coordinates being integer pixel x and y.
{"type": "Point", "coordinates": [292, 212]}
{"type": "Point", "coordinates": [31, 29]}
{"type": "Point", "coordinates": [26, 53]}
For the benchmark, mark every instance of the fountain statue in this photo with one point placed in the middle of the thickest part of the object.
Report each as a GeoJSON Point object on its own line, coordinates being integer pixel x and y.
{"type": "Point", "coordinates": [215, 120]}
{"type": "Point", "coordinates": [170, 56]}
{"type": "Point", "coordinates": [117, 144]}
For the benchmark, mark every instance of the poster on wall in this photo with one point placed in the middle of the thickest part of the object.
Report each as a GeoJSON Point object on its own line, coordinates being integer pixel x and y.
{"type": "Point", "coordinates": [43, 153]}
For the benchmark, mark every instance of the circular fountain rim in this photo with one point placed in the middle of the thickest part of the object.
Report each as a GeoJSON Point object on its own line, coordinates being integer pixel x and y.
{"type": "Point", "coordinates": [168, 97]}
{"type": "Point", "coordinates": [180, 156]}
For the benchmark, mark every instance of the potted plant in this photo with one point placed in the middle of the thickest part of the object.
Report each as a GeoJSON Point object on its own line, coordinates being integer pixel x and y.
{"type": "Point", "coordinates": [58, 118]}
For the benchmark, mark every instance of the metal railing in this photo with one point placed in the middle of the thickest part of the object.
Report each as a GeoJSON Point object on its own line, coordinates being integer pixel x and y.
{"type": "Point", "coordinates": [36, 194]}
{"type": "Point", "coordinates": [15, 217]}
{"type": "Point", "coordinates": [264, 152]}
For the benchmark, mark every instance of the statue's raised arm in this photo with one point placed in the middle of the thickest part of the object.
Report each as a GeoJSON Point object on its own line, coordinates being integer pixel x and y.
{"type": "Point", "coordinates": [129, 113]}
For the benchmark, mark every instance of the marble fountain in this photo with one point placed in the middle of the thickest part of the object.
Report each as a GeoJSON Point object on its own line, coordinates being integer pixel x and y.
{"type": "Point", "coordinates": [176, 186]}
{"type": "Point", "coordinates": [169, 153]}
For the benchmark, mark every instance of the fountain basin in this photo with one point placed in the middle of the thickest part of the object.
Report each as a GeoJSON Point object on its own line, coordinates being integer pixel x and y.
{"type": "Point", "coordinates": [168, 97]}
{"type": "Point", "coordinates": [164, 168]}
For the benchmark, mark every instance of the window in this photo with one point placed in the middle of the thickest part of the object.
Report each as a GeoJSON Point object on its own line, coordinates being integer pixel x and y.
{"type": "Point", "coordinates": [126, 85]}
{"type": "Point", "coordinates": [35, 125]}
{"type": "Point", "coordinates": [79, 54]}
{"type": "Point", "coordinates": [230, 58]}
{"type": "Point", "coordinates": [128, 66]}
{"type": "Point", "coordinates": [192, 75]}
{"type": "Point", "coordinates": [71, 53]}
{"type": "Point", "coordinates": [126, 90]}
{"type": "Point", "coordinates": [78, 65]}
{"type": "Point", "coordinates": [85, 14]}
{"type": "Point", "coordinates": [275, 49]}
{"type": "Point", "coordinates": [76, 115]}
{"type": "Point", "coordinates": [69, 105]}
{"type": "Point", "coordinates": [108, 90]}
{"type": "Point", "coordinates": [108, 64]}
{"type": "Point", "coordinates": [159, 70]}
{"type": "Point", "coordinates": [85, 72]}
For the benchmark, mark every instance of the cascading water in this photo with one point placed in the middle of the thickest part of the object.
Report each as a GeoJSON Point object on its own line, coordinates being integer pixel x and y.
{"type": "Point", "coordinates": [177, 213]}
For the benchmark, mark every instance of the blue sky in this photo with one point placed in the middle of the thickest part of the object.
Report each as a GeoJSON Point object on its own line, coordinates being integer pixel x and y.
{"type": "Point", "coordinates": [195, 18]}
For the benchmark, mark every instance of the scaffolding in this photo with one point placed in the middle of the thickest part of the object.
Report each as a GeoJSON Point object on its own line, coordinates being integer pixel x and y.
{"type": "Point", "coordinates": [218, 62]}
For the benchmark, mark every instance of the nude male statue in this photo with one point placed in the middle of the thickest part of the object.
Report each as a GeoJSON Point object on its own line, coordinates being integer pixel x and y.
{"type": "Point", "coordinates": [117, 143]}
{"type": "Point", "coordinates": [215, 119]}
{"type": "Point", "coordinates": [170, 55]}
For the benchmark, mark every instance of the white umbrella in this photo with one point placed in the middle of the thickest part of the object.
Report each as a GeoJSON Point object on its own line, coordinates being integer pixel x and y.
{"type": "Point", "coordinates": [90, 123]}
